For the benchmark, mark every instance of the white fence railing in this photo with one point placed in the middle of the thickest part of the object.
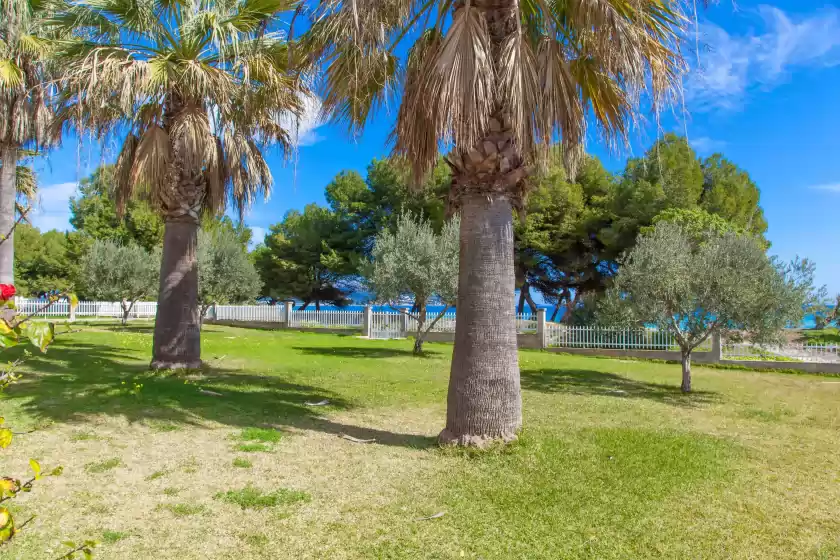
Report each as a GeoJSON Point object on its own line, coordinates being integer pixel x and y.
{"type": "Point", "coordinates": [327, 318]}
{"type": "Point", "coordinates": [785, 353]}
{"type": "Point", "coordinates": [257, 313]}
{"type": "Point", "coordinates": [525, 323]}
{"type": "Point", "coordinates": [562, 336]}
{"type": "Point", "coordinates": [385, 325]}
{"type": "Point", "coordinates": [87, 309]}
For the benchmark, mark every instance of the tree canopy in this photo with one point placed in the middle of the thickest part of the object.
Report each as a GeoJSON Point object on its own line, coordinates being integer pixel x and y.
{"type": "Point", "coordinates": [415, 261]}
{"type": "Point", "coordinates": [93, 212]}
{"type": "Point", "coordinates": [307, 256]}
{"type": "Point", "coordinates": [724, 283]}
{"type": "Point", "coordinates": [375, 203]}
{"type": "Point", "coordinates": [125, 273]}
{"type": "Point", "coordinates": [225, 273]}
{"type": "Point", "coordinates": [42, 261]}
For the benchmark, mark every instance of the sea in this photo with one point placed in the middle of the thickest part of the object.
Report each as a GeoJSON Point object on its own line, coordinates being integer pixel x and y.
{"type": "Point", "coordinates": [360, 298]}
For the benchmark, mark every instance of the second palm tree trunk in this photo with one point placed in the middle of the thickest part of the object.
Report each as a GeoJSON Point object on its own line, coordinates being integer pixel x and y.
{"type": "Point", "coordinates": [177, 342]}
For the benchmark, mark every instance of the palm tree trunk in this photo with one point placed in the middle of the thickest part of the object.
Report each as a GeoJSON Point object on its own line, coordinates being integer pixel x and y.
{"type": "Point", "coordinates": [484, 401]}
{"type": "Point", "coordinates": [177, 342]}
{"type": "Point", "coordinates": [8, 195]}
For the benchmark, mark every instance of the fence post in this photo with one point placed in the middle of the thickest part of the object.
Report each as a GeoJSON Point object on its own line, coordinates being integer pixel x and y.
{"type": "Point", "coordinates": [541, 331]}
{"type": "Point", "coordinates": [717, 350]}
{"type": "Point", "coordinates": [367, 321]}
{"type": "Point", "coordinates": [72, 317]}
{"type": "Point", "coordinates": [289, 307]}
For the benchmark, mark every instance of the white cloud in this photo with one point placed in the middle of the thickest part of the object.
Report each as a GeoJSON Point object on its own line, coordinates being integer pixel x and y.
{"type": "Point", "coordinates": [52, 208]}
{"type": "Point", "coordinates": [304, 131]}
{"type": "Point", "coordinates": [735, 64]}
{"type": "Point", "coordinates": [832, 188]}
{"type": "Point", "coordinates": [706, 145]}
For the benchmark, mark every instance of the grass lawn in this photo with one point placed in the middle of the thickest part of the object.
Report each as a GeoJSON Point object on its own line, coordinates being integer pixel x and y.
{"type": "Point", "coordinates": [231, 462]}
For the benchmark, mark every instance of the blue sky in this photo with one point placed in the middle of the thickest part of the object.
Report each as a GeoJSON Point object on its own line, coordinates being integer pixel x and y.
{"type": "Point", "coordinates": [763, 90]}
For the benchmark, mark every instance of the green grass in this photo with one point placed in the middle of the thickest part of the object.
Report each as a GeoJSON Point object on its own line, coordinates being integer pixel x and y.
{"type": "Point", "coordinates": [614, 462]}
{"type": "Point", "coordinates": [253, 447]}
{"type": "Point", "coordinates": [183, 510]}
{"type": "Point", "coordinates": [83, 436]}
{"type": "Point", "coordinates": [252, 498]}
{"type": "Point", "coordinates": [260, 434]}
{"type": "Point", "coordinates": [103, 466]}
{"type": "Point", "coordinates": [156, 475]}
{"type": "Point", "coordinates": [111, 537]}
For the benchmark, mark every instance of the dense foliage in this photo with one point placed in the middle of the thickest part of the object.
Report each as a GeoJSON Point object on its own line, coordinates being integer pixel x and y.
{"type": "Point", "coordinates": [124, 273]}
{"type": "Point", "coordinates": [722, 283]}
{"type": "Point", "coordinates": [225, 273]}
{"type": "Point", "coordinates": [307, 256]}
{"type": "Point", "coordinates": [414, 261]}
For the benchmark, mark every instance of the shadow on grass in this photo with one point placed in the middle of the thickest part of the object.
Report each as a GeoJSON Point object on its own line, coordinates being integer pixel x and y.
{"type": "Point", "coordinates": [589, 382]}
{"type": "Point", "coordinates": [364, 352]}
{"type": "Point", "coordinates": [76, 379]}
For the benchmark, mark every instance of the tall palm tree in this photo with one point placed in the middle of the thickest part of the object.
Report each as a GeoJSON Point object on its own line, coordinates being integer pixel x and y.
{"type": "Point", "coordinates": [199, 88]}
{"type": "Point", "coordinates": [493, 83]}
{"type": "Point", "coordinates": [25, 109]}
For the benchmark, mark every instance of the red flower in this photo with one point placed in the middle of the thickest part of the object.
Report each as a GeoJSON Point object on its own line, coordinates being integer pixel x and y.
{"type": "Point", "coordinates": [7, 291]}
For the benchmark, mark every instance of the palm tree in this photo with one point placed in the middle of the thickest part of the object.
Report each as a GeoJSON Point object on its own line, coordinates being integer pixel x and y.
{"type": "Point", "coordinates": [493, 83]}
{"type": "Point", "coordinates": [25, 109]}
{"type": "Point", "coordinates": [199, 88]}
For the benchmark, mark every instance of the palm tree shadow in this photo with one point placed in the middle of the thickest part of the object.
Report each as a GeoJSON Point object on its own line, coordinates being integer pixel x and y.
{"type": "Point", "coordinates": [590, 382]}
{"type": "Point", "coordinates": [76, 380]}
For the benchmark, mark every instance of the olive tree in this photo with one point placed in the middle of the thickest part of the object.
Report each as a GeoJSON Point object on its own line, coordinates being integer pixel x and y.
{"type": "Point", "coordinates": [415, 261]}
{"type": "Point", "coordinates": [225, 273]}
{"type": "Point", "coordinates": [725, 282]}
{"type": "Point", "coordinates": [127, 273]}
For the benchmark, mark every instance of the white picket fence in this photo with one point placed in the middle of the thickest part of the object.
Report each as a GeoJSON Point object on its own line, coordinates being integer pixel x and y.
{"type": "Point", "coordinates": [388, 324]}
{"type": "Point", "coordinates": [816, 353]}
{"type": "Point", "coordinates": [86, 309]}
{"type": "Point", "coordinates": [326, 318]}
{"type": "Point", "coordinates": [256, 313]}
{"type": "Point", "coordinates": [562, 336]}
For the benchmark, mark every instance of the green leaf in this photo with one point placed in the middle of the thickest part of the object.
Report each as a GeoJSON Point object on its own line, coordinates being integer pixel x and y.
{"type": "Point", "coordinates": [57, 471]}
{"type": "Point", "coordinates": [69, 544]}
{"type": "Point", "coordinates": [5, 438]}
{"type": "Point", "coordinates": [36, 468]}
{"type": "Point", "coordinates": [88, 553]}
{"type": "Point", "coordinates": [39, 334]}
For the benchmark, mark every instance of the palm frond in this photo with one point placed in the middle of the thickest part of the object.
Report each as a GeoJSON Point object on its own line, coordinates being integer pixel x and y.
{"type": "Point", "coordinates": [151, 163]}
{"type": "Point", "coordinates": [547, 66]}
{"type": "Point", "coordinates": [200, 87]}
